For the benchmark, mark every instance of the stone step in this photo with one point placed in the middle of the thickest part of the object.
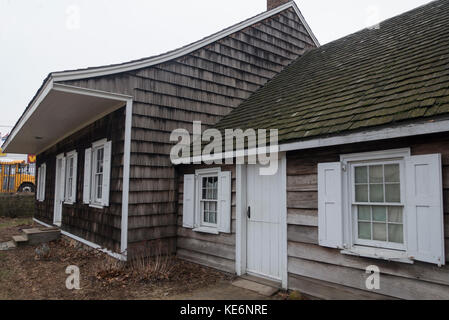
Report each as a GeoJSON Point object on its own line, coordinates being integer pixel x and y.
{"type": "Point", "coordinates": [20, 240]}
{"type": "Point", "coordinates": [42, 235]}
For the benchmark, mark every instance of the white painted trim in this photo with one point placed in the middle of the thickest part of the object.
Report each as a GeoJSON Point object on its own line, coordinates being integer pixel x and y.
{"type": "Point", "coordinates": [126, 177]}
{"type": "Point", "coordinates": [402, 131]}
{"type": "Point", "coordinates": [376, 155]}
{"type": "Point", "coordinates": [240, 250]}
{"type": "Point", "coordinates": [127, 143]}
{"type": "Point", "coordinates": [133, 65]}
{"type": "Point", "coordinates": [88, 243]}
{"type": "Point", "coordinates": [372, 135]}
{"type": "Point", "coordinates": [283, 222]}
{"type": "Point", "coordinates": [37, 101]}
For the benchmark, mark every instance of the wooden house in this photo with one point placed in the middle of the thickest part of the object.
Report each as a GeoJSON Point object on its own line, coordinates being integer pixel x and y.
{"type": "Point", "coordinates": [101, 135]}
{"type": "Point", "coordinates": [362, 186]}
{"type": "Point", "coordinates": [362, 180]}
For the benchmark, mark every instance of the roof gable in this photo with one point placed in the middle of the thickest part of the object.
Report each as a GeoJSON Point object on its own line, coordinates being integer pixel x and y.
{"type": "Point", "coordinates": [147, 62]}
{"type": "Point", "coordinates": [397, 73]}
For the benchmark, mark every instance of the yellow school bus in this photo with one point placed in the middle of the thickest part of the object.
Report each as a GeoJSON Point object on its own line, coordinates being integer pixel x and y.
{"type": "Point", "coordinates": [17, 176]}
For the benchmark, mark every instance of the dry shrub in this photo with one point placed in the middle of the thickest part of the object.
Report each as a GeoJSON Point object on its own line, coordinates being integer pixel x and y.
{"type": "Point", "coordinates": [149, 265]}
{"type": "Point", "coordinates": [152, 264]}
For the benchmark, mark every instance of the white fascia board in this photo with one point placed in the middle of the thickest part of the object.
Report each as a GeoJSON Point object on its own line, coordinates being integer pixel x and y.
{"type": "Point", "coordinates": [48, 85]}
{"type": "Point", "coordinates": [113, 69]}
{"type": "Point", "coordinates": [402, 131]}
{"type": "Point", "coordinates": [408, 130]}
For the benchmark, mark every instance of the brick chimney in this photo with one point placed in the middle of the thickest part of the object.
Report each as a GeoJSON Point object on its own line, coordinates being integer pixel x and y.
{"type": "Point", "coordinates": [271, 4]}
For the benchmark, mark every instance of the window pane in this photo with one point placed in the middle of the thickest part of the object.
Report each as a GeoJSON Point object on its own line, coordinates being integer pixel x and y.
{"type": "Point", "coordinates": [380, 231]}
{"type": "Point", "coordinates": [213, 217]}
{"type": "Point", "coordinates": [376, 174]}
{"type": "Point", "coordinates": [364, 213]}
{"type": "Point", "coordinates": [361, 175]}
{"type": "Point", "coordinates": [376, 192]}
{"type": "Point", "coordinates": [395, 215]}
{"type": "Point", "coordinates": [396, 233]}
{"type": "Point", "coordinates": [392, 173]}
{"type": "Point", "coordinates": [361, 193]}
{"type": "Point", "coordinates": [380, 214]}
{"type": "Point", "coordinates": [393, 193]}
{"type": "Point", "coordinates": [364, 231]}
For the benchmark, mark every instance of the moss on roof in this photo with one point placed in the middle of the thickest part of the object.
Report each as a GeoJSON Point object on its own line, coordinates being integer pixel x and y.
{"type": "Point", "coordinates": [399, 72]}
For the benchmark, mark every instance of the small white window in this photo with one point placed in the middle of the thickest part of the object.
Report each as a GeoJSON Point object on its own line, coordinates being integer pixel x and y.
{"type": "Point", "coordinates": [70, 177]}
{"type": "Point", "coordinates": [97, 167]}
{"type": "Point", "coordinates": [41, 177]}
{"type": "Point", "coordinates": [385, 205]}
{"type": "Point", "coordinates": [207, 201]}
{"type": "Point", "coordinates": [377, 204]}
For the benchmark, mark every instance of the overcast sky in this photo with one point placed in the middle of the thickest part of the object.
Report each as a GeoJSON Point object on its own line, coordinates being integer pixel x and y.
{"type": "Point", "coordinates": [41, 36]}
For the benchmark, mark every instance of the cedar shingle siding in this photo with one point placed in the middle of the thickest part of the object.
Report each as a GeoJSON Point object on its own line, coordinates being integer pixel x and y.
{"type": "Point", "coordinates": [397, 73]}
{"type": "Point", "coordinates": [204, 85]}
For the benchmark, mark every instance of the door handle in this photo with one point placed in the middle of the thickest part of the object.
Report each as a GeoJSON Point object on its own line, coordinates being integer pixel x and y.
{"type": "Point", "coordinates": [249, 213]}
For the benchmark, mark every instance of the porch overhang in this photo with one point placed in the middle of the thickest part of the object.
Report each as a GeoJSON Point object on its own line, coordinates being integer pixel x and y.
{"type": "Point", "coordinates": [57, 112]}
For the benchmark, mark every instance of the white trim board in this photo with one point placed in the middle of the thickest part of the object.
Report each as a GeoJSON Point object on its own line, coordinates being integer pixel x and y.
{"type": "Point", "coordinates": [88, 243]}
{"type": "Point", "coordinates": [144, 63]}
{"type": "Point", "coordinates": [401, 131]}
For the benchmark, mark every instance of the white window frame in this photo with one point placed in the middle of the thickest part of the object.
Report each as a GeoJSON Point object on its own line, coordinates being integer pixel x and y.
{"type": "Point", "coordinates": [94, 201]}
{"type": "Point", "coordinates": [70, 181]}
{"type": "Point", "coordinates": [200, 225]}
{"type": "Point", "coordinates": [374, 248]}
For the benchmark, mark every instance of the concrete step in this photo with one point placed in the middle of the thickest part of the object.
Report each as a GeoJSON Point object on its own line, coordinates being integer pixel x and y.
{"type": "Point", "coordinates": [261, 289]}
{"type": "Point", "coordinates": [4, 246]}
{"type": "Point", "coordinates": [42, 235]}
{"type": "Point", "coordinates": [20, 240]}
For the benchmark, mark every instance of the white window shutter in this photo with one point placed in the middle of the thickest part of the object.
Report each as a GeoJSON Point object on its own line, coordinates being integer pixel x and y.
{"type": "Point", "coordinates": [224, 198]}
{"type": "Point", "coordinates": [424, 209]}
{"type": "Point", "coordinates": [330, 211]}
{"type": "Point", "coordinates": [63, 172]}
{"type": "Point", "coordinates": [188, 206]}
{"type": "Point", "coordinates": [87, 175]}
{"type": "Point", "coordinates": [44, 175]}
{"type": "Point", "coordinates": [74, 178]}
{"type": "Point", "coordinates": [106, 173]}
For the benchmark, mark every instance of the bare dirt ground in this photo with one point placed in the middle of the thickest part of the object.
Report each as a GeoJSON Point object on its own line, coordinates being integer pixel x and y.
{"type": "Point", "coordinates": [26, 274]}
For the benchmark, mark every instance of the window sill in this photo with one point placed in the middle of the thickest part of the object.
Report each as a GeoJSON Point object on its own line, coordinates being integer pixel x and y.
{"type": "Point", "coordinates": [206, 230]}
{"type": "Point", "coordinates": [69, 203]}
{"type": "Point", "coordinates": [376, 253]}
{"type": "Point", "coordinates": [96, 206]}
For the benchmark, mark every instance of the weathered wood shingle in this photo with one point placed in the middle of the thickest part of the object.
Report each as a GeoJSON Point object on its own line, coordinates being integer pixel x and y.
{"type": "Point", "coordinates": [397, 73]}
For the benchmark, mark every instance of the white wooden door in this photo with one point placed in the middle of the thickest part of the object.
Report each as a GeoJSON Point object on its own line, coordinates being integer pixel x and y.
{"type": "Point", "coordinates": [59, 190]}
{"type": "Point", "coordinates": [264, 238]}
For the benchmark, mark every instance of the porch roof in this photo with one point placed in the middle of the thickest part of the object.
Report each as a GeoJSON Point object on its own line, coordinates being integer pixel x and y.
{"type": "Point", "coordinates": [58, 112]}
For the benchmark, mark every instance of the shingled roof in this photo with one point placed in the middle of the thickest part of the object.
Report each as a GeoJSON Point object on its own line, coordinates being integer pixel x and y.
{"type": "Point", "coordinates": [375, 77]}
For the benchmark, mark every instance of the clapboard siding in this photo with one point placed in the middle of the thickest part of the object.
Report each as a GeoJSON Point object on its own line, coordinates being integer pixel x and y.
{"type": "Point", "coordinates": [204, 85]}
{"type": "Point", "coordinates": [216, 251]}
{"type": "Point", "coordinates": [324, 272]}
{"type": "Point", "coordinates": [100, 226]}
